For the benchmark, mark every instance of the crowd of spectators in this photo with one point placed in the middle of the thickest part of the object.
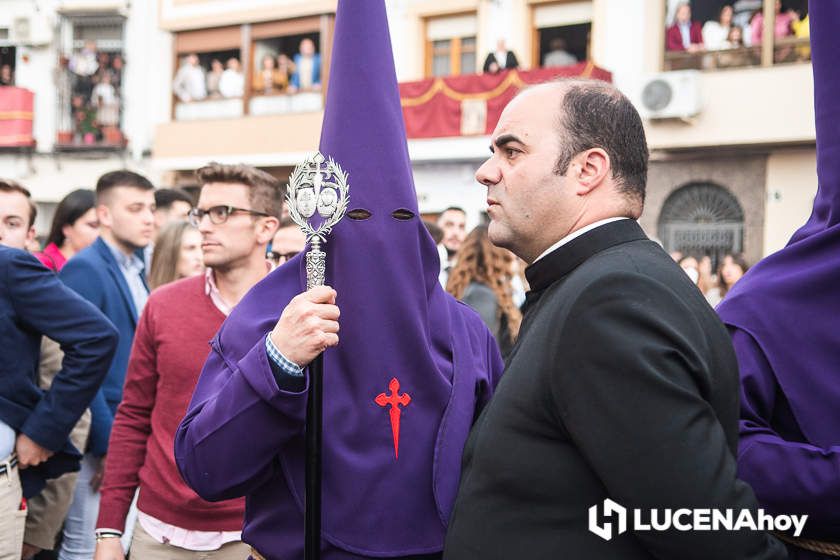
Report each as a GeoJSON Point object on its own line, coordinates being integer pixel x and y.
{"type": "Point", "coordinates": [738, 25]}
{"type": "Point", "coordinates": [714, 284]}
{"type": "Point", "coordinates": [275, 73]}
{"type": "Point", "coordinates": [90, 82]}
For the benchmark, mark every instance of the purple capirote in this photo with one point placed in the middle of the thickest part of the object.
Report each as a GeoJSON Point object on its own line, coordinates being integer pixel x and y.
{"type": "Point", "coordinates": [244, 436]}
{"type": "Point", "coordinates": [784, 316]}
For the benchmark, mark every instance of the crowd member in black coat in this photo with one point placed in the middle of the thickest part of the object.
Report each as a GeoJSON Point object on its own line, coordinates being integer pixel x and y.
{"type": "Point", "coordinates": [623, 383]}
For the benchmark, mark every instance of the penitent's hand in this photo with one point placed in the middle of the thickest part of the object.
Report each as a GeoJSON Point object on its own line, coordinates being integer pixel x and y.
{"type": "Point", "coordinates": [109, 549]}
{"type": "Point", "coordinates": [308, 325]}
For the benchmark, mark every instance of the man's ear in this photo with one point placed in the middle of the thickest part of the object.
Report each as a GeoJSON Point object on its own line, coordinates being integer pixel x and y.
{"type": "Point", "coordinates": [30, 235]}
{"type": "Point", "coordinates": [267, 228]}
{"type": "Point", "coordinates": [103, 214]}
{"type": "Point", "coordinates": [593, 168]}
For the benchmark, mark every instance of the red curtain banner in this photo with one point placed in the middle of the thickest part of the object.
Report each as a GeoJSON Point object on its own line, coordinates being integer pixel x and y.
{"type": "Point", "coordinates": [472, 104]}
{"type": "Point", "coordinates": [16, 117]}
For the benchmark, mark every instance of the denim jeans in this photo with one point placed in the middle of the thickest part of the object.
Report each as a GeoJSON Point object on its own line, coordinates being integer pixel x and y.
{"type": "Point", "coordinates": [79, 540]}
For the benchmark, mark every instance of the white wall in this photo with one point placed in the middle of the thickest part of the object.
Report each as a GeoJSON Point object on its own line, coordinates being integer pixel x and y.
{"type": "Point", "coordinates": [791, 186]}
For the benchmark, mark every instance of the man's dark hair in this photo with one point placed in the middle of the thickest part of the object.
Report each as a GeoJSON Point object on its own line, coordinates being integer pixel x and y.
{"type": "Point", "coordinates": [121, 178]}
{"type": "Point", "coordinates": [7, 185]}
{"type": "Point", "coordinates": [165, 198]}
{"type": "Point", "coordinates": [69, 210]}
{"type": "Point", "coordinates": [266, 192]}
{"type": "Point", "coordinates": [435, 231]}
{"type": "Point", "coordinates": [594, 114]}
{"type": "Point", "coordinates": [453, 208]}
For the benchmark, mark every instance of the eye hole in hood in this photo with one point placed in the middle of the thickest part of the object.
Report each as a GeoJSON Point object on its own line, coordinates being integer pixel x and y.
{"type": "Point", "coordinates": [402, 214]}
{"type": "Point", "coordinates": [359, 214]}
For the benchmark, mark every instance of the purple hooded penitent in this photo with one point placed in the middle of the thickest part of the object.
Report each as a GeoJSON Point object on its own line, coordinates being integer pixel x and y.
{"type": "Point", "coordinates": [784, 316]}
{"type": "Point", "coordinates": [244, 436]}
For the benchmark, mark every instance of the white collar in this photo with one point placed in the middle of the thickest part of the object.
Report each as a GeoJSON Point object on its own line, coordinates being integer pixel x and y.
{"type": "Point", "coordinates": [578, 233]}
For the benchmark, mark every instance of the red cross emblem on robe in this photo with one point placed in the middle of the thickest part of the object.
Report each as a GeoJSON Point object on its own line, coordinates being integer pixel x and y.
{"type": "Point", "coordinates": [394, 399]}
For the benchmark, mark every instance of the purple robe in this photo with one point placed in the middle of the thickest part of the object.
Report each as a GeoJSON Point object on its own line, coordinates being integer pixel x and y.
{"type": "Point", "coordinates": [244, 436]}
{"type": "Point", "coordinates": [783, 316]}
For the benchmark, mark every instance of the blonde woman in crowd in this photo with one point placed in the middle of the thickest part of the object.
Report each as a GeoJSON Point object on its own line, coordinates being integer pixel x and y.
{"type": "Point", "coordinates": [177, 254]}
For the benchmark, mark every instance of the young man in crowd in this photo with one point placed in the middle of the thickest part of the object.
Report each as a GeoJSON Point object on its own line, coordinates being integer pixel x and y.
{"type": "Point", "coordinates": [34, 424]}
{"type": "Point", "coordinates": [237, 215]}
{"type": "Point", "coordinates": [453, 222]}
{"type": "Point", "coordinates": [171, 205]}
{"type": "Point", "coordinates": [288, 242]}
{"type": "Point", "coordinates": [109, 274]}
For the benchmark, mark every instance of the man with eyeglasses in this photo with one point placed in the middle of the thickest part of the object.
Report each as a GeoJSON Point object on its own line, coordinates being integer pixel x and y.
{"type": "Point", "coordinates": [237, 215]}
{"type": "Point", "coordinates": [288, 242]}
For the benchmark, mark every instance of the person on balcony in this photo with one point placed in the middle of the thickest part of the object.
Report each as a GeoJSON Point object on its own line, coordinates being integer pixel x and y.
{"type": "Point", "coordinates": [106, 101]}
{"type": "Point", "coordinates": [232, 82]}
{"type": "Point", "coordinates": [6, 76]}
{"type": "Point", "coordinates": [214, 76]}
{"type": "Point", "coordinates": [558, 55]}
{"type": "Point", "coordinates": [684, 34]}
{"type": "Point", "coordinates": [715, 33]}
{"type": "Point", "coordinates": [189, 81]}
{"type": "Point", "coordinates": [270, 79]}
{"type": "Point", "coordinates": [307, 74]}
{"type": "Point", "coordinates": [781, 28]}
{"type": "Point", "coordinates": [500, 59]}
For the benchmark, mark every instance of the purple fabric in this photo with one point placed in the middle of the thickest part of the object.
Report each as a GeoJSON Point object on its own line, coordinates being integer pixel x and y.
{"type": "Point", "coordinates": [243, 435]}
{"type": "Point", "coordinates": [784, 315]}
{"type": "Point", "coordinates": [790, 301]}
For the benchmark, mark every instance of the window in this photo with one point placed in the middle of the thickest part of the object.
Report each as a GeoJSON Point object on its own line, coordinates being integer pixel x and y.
{"type": "Point", "coordinates": [209, 81]}
{"type": "Point", "coordinates": [451, 45]}
{"type": "Point", "coordinates": [7, 65]}
{"type": "Point", "coordinates": [561, 33]}
{"type": "Point", "coordinates": [290, 62]}
{"type": "Point", "coordinates": [90, 76]}
{"type": "Point", "coordinates": [725, 35]}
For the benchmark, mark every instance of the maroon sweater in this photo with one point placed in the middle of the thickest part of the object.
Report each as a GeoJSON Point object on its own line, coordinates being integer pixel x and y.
{"type": "Point", "coordinates": [170, 346]}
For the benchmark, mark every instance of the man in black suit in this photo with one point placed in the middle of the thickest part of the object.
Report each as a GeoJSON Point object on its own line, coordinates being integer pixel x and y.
{"type": "Point", "coordinates": [500, 59]}
{"type": "Point", "coordinates": [623, 384]}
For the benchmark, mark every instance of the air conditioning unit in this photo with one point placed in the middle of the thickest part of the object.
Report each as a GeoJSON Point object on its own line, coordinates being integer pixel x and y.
{"type": "Point", "coordinates": [668, 95]}
{"type": "Point", "coordinates": [31, 29]}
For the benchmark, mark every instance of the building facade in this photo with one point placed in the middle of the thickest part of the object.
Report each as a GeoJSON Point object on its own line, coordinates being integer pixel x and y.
{"type": "Point", "coordinates": [731, 132]}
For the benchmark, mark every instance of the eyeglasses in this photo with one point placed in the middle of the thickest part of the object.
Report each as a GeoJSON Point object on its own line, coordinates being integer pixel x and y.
{"type": "Point", "coordinates": [280, 258]}
{"type": "Point", "coordinates": [218, 214]}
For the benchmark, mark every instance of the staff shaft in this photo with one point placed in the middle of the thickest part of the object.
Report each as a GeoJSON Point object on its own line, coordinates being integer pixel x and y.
{"type": "Point", "coordinates": [314, 425]}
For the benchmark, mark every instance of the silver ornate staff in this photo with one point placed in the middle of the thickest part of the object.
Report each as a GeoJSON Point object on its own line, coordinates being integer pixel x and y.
{"type": "Point", "coordinates": [316, 184]}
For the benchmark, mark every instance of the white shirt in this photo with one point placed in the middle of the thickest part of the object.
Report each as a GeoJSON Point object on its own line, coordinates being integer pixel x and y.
{"type": "Point", "coordinates": [189, 83]}
{"type": "Point", "coordinates": [501, 58]}
{"type": "Point", "coordinates": [232, 83]}
{"type": "Point", "coordinates": [714, 35]}
{"type": "Point", "coordinates": [7, 440]}
{"type": "Point", "coordinates": [577, 233]}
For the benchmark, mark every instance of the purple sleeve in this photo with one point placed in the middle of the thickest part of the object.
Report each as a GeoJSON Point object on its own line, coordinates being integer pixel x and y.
{"type": "Point", "coordinates": [787, 476]}
{"type": "Point", "coordinates": [235, 426]}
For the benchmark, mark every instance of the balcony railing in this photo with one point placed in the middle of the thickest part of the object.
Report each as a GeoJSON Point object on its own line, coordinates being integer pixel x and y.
{"type": "Point", "coordinates": [785, 50]}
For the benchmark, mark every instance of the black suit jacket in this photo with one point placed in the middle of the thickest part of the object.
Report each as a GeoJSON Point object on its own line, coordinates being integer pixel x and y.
{"type": "Point", "coordinates": [623, 385]}
{"type": "Point", "coordinates": [510, 62]}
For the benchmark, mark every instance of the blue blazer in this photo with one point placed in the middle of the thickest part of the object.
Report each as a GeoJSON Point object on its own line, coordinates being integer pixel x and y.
{"type": "Point", "coordinates": [34, 303]}
{"type": "Point", "coordinates": [316, 70]}
{"type": "Point", "coordinates": [96, 276]}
